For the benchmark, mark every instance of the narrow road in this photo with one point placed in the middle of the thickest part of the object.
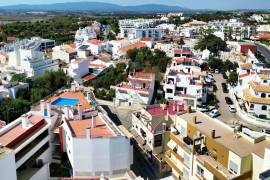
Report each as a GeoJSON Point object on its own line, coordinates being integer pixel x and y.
{"type": "Point", "coordinates": [226, 116]}
{"type": "Point", "coordinates": [264, 51]}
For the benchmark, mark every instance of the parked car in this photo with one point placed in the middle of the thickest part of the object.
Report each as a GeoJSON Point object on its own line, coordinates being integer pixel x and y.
{"type": "Point", "coordinates": [228, 101]}
{"type": "Point", "coordinates": [224, 88]}
{"type": "Point", "coordinates": [214, 113]}
{"type": "Point", "coordinates": [232, 109]}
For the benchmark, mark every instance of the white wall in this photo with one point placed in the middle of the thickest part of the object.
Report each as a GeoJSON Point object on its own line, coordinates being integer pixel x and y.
{"type": "Point", "coordinates": [7, 166]}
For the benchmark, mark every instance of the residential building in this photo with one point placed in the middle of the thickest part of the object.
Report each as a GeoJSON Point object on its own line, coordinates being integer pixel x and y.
{"type": "Point", "coordinates": [93, 143]}
{"type": "Point", "coordinates": [78, 68]}
{"type": "Point", "coordinates": [151, 128]}
{"type": "Point", "coordinates": [140, 28]}
{"type": "Point", "coordinates": [258, 18]}
{"type": "Point", "coordinates": [25, 145]}
{"type": "Point", "coordinates": [203, 148]}
{"type": "Point", "coordinates": [95, 46]}
{"type": "Point", "coordinates": [64, 53]}
{"type": "Point", "coordinates": [257, 96]}
{"type": "Point", "coordinates": [184, 81]}
{"type": "Point", "coordinates": [11, 88]}
{"type": "Point", "coordinates": [139, 89]}
{"type": "Point", "coordinates": [26, 57]}
{"type": "Point", "coordinates": [85, 34]}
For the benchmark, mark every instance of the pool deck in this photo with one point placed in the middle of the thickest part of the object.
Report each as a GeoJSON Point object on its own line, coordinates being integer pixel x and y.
{"type": "Point", "coordinates": [74, 95]}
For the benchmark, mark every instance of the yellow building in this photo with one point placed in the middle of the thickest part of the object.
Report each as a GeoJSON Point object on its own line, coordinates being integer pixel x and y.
{"type": "Point", "coordinates": [204, 148]}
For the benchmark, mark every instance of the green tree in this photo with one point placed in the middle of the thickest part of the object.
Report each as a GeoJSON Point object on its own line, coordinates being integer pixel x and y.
{"type": "Point", "coordinates": [212, 43]}
{"type": "Point", "coordinates": [181, 42]}
{"type": "Point", "coordinates": [233, 78]}
{"type": "Point", "coordinates": [215, 63]}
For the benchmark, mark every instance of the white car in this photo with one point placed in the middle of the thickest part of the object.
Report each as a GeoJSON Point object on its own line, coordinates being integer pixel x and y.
{"type": "Point", "coordinates": [232, 108]}
{"type": "Point", "coordinates": [214, 113]}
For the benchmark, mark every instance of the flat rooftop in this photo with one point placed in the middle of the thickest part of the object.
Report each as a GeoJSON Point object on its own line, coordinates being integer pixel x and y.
{"type": "Point", "coordinates": [16, 131]}
{"type": "Point", "coordinates": [225, 135]}
{"type": "Point", "coordinates": [74, 95]}
{"type": "Point", "coordinates": [78, 128]}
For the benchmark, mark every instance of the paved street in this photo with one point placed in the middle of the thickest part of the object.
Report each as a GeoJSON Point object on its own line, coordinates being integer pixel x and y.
{"type": "Point", "coordinates": [226, 116]}
{"type": "Point", "coordinates": [265, 52]}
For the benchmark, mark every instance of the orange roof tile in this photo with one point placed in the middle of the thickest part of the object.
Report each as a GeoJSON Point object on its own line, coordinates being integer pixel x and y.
{"type": "Point", "coordinates": [146, 39]}
{"type": "Point", "coordinates": [133, 46]}
{"type": "Point", "coordinates": [78, 128]}
{"type": "Point", "coordinates": [263, 36]}
{"type": "Point", "coordinates": [94, 41]}
{"type": "Point", "coordinates": [89, 77]}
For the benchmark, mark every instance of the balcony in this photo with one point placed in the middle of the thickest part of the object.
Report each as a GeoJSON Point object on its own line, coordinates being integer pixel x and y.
{"type": "Point", "coordinates": [179, 139]}
{"type": "Point", "coordinates": [172, 164]}
{"type": "Point", "coordinates": [217, 169]}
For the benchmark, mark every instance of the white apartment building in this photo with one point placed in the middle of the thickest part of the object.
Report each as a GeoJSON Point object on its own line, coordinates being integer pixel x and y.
{"type": "Point", "coordinates": [64, 53]}
{"type": "Point", "coordinates": [25, 145]}
{"type": "Point", "coordinates": [10, 89]}
{"type": "Point", "coordinates": [78, 68]}
{"type": "Point", "coordinates": [85, 34]}
{"type": "Point", "coordinates": [139, 89]}
{"type": "Point", "coordinates": [201, 147]}
{"type": "Point", "coordinates": [95, 46]}
{"type": "Point", "coordinates": [94, 145]}
{"type": "Point", "coordinates": [28, 59]}
{"type": "Point", "coordinates": [233, 25]}
{"type": "Point", "coordinates": [183, 81]}
{"type": "Point", "coordinates": [139, 28]}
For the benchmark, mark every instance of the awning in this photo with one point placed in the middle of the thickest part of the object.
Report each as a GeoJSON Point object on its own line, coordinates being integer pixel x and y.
{"type": "Point", "coordinates": [171, 144]}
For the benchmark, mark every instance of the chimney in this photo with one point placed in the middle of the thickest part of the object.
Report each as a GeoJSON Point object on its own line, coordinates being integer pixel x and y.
{"type": "Point", "coordinates": [25, 121]}
{"type": "Point", "coordinates": [94, 123]}
{"type": "Point", "coordinates": [49, 106]}
{"type": "Point", "coordinates": [88, 133]}
{"type": "Point", "coordinates": [42, 107]}
{"type": "Point", "coordinates": [73, 87]}
{"type": "Point", "coordinates": [164, 126]}
{"type": "Point", "coordinates": [80, 111]}
{"type": "Point", "coordinates": [66, 112]}
{"type": "Point", "coordinates": [213, 133]}
{"type": "Point", "coordinates": [194, 119]}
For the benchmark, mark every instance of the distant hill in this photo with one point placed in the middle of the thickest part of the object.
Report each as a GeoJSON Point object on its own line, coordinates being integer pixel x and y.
{"type": "Point", "coordinates": [94, 6]}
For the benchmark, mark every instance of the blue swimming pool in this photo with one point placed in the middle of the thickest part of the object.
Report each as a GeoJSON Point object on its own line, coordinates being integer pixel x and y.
{"type": "Point", "coordinates": [64, 102]}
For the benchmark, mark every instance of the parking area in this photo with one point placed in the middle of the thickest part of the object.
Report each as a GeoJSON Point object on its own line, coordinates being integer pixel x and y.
{"type": "Point", "coordinates": [225, 115]}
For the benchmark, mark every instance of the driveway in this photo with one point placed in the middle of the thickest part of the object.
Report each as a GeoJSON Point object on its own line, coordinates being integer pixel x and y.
{"type": "Point", "coordinates": [226, 116]}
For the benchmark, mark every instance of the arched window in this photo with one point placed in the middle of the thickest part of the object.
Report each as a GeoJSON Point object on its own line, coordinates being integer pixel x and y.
{"type": "Point", "coordinates": [263, 95]}
{"type": "Point", "coordinates": [264, 108]}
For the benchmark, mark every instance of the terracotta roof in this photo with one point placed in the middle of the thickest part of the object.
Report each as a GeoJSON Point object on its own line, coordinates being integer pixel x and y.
{"type": "Point", "coordinates": [147, 39]}
{"type": "Point", "coordinates": [158, 110]}
{"type": "Point", "coordinates": [88, 77]}
{"type": "Point", "coordinates": [252, 99]}
{"type": "Point", "coordinates": [94, 41]}
{"type": "Point", "coordinates": [264, 76]}
{"type": "Point", "coordinates": [246, 66]}
{"type": "Point", "coordinates": [182, 51]}
{"type": "Point", "coordinates": [139, 80]}
{"type": "Point", "coordinates": [141, 75]}
{"type": "Point", "coordinates": [181, 60]}
{"type": "Point", "coordinates": [133, 46]}
{"type": "Point", "coordinates": [15, 132]}
{"type": "Point", "coordinates": [73, 46]}
{"type": "Point", "coordinates": [257, 87]}
{"type": "Point", "coordinates": [246, 74]}
{"type": "Point", "coordinates": [263, 36]}
{"type": "Point", "coordinates": [78, 128]}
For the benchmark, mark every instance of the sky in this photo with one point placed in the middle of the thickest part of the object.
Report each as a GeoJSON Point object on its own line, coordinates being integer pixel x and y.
{"type": "Point", "coordinates": [192, 4]}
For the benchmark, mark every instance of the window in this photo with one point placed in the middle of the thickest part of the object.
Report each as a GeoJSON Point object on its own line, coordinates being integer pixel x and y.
{"type": "Point", "coordinates": [251, 107]}
{"type": "Point", "coordinates": [263, 95]}
{"type": "Point", "coordinates": [186, 159]}
{"type": "Point", "coordinates": [200, 170]}
{"type": "Point", "coordinates": [233, 167]}
{"type": "Point", "coordinates": [185, 173]}
{"type": "Point", "coordinates": [158, 140]}
{"type": "Point", "coordinates": [264, 108]}
{"type": "Point", "coordinates": [169, 91]}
